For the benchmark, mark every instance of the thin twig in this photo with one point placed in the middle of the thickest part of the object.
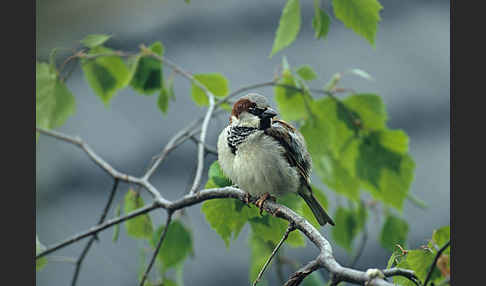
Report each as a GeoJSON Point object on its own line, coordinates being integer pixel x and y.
{"type": "Point", "coordinates": [209, 149]}
{"type": "Point", "coordinates": [159, 244]}
{"type": "Point", "coordinates": [103, 164]}
{"type": "Point", "coordinates": [79, 262]}
{"type": "Point", "coordinates": [432, 267]}
{"type": "Point", "coordinates": [171, 145]}
{"type": "Point", "coordinates": [290, 228]}
{"type": "Point", "coordinates": [202, 138]}
{"type": "Point", "coordinates": [98, 228]}
{"type": "Point", "coordinates": [207, 117]}
{"type": "Point", "coordinates": [361, 248]}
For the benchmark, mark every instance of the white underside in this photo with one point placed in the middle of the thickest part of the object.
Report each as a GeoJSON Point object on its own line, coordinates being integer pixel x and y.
{"type": "Point", "coordinates": [259, 165]}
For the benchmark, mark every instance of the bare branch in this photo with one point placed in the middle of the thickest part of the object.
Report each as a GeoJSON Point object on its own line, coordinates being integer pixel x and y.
{"type": "Point", "coordinates": [202, 138]}
{"type": "Point", "coordinates": [209, 149]}
{"type": "Point", "coordinates": [361, 248]}
{"type": "Point", "coordinates": [324, 260]}
{"type": "Point", "coordinates": [290, 228]}
{"type": "Point", "coordinates": [79, 262]}
{"type": "Point", "coordinates": [171, 145]}
{"type": "Point", "coordinates": [157, 248]}
{"type": "Point", "coordinates": [103, 164]}
{"type": "Point", "coordinates": [432, 267]}
{"type": "Point", "coordinates": [299, 275]}
{"type": "Point", "coordinates": [207, 117]}
{"type": "Point", "coordinates": [402, 272]}
{"type": "Point", "coordinates": [99, 228]}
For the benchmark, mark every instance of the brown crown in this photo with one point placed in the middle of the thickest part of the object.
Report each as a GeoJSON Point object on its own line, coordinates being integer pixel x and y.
{"type": "Point", "coordinates": [240, 106]}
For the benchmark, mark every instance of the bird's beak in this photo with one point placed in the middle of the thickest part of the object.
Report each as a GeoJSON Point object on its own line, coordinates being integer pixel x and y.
{"type": "Point", "coordinates": [268, 113]}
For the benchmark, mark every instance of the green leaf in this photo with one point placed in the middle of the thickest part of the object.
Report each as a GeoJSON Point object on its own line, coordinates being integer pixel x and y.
{"type": "Point", "coordinates": [216, 174]}
{"type": "Point", "coordinates": [227, 216]}
{"type": "Point", "coordinates": [214, 82]}
{"type": "Point", "coordinates": [116, 230]}
{"type": "Point", "coordinates": [328, 138]}
{"type": "Point", "coordinates": [290, 101]}
{"type": "Point", "coordinates": [386, 174]}
{"type": "Point", "coordinates": [54, 102]}
{"type": "Point", "coordinates": [394, 231]}
{"type": "Point", "coordinates": [360, 15]}
{"type": "Point", "coordinates": [417, 260]}
{"type": "Point", "coordinates": [95, 40]}
{"type": "Point", "coordinates": [395, 258]}
{"type": "Point", "coordinates": [306, 73]}
{"type": "Point", "coordinates": [177, 244]}
{"type": "Point", "coordinates": [346, 228]}
{"type": "Point", "coordinates": [39, 247]}
{"type": "Point", "coordinates": [163, 101]}
{"type": "Point", "coordinates": [320, 23]}
{"type": "Point", "coordinates": [271, 230]}
{"type": "Point", "coordinates": [148, 76]}
{"type": "Point", "coordinates": [369, 108]}
{"type": "Point", "coordinates": [420, 260]}
{"type": "Point", "coordinates": [394, 140]}
{"type": "Point", "coordinates": [140, 226]}
{"type": "Point", "coordinates": [166, 93]}
{"type": "Point", "coordinates": [288, 26]}
{"type": "Point", "coordinates": [440, 237]}
{"type": "Point", "coordinates": [105, 73]}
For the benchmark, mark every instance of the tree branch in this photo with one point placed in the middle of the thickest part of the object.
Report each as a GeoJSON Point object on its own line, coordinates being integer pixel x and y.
{"type": "Point", "coordinates": [207, 117]}
{"type": "Point", "coordinates": [99, 228]}
{"type": "Point", "coordinates": [103, 164]}
{"type": "Point", "coordinates": [290, 228]}
{"type": "Point", "coordinates": [175, 141]}
{"type": "Point", "coordinates": [79, 262]}
{"type": "Point", "coordinates": [209, 149]}
{"type": "Point", "coordinates": [325, 258]}
{"type": "Point", "coordinates": [402, 272]}
{"type": "Point", "coordinates": [432, 267]}
{"type": "Point", "coordinates": [159, 244]}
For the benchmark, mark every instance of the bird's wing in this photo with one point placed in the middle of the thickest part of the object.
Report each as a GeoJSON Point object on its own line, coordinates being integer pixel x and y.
{"type": "Point", "coordinates": [295, 150]}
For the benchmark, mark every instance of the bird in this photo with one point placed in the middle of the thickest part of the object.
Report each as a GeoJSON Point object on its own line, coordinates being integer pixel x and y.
{"type": "Point", "coordinates": [266, 157]}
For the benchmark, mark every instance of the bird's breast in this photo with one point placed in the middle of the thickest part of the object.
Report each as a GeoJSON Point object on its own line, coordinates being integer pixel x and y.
{"type": "Point", "coordinates": [259, 166]}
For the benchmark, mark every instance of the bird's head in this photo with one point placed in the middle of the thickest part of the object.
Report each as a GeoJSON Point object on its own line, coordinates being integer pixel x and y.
{"type": "Point", "coordinates": [252, 110]}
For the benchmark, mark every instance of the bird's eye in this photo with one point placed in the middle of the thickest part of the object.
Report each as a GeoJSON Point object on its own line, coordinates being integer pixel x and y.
{"type": "Point", "coordinates": [255, 110]}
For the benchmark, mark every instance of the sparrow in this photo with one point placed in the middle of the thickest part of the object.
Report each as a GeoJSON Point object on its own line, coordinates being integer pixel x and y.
{"type": "Point", "coordinates": [266, 157]}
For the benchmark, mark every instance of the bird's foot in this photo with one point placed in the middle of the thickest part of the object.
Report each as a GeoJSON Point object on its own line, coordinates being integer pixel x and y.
{"type": "Point", "coordinates": [259, 203]}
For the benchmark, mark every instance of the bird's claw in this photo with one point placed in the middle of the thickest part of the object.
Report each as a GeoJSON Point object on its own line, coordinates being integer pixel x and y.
{"type": "Point", "coordinates": [259, 203]}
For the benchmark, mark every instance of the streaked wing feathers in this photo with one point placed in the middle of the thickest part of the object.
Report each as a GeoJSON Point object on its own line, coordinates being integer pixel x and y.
{"type": "Point", "coordinates": [294, 144]}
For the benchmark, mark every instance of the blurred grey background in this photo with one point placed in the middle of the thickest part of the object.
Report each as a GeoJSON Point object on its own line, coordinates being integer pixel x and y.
{"type": "Point", "coordinates": [410, 65]}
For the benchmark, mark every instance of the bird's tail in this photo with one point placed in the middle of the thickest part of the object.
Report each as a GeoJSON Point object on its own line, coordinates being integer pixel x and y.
{"type": "Point", "coordinates": [316, 208]}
